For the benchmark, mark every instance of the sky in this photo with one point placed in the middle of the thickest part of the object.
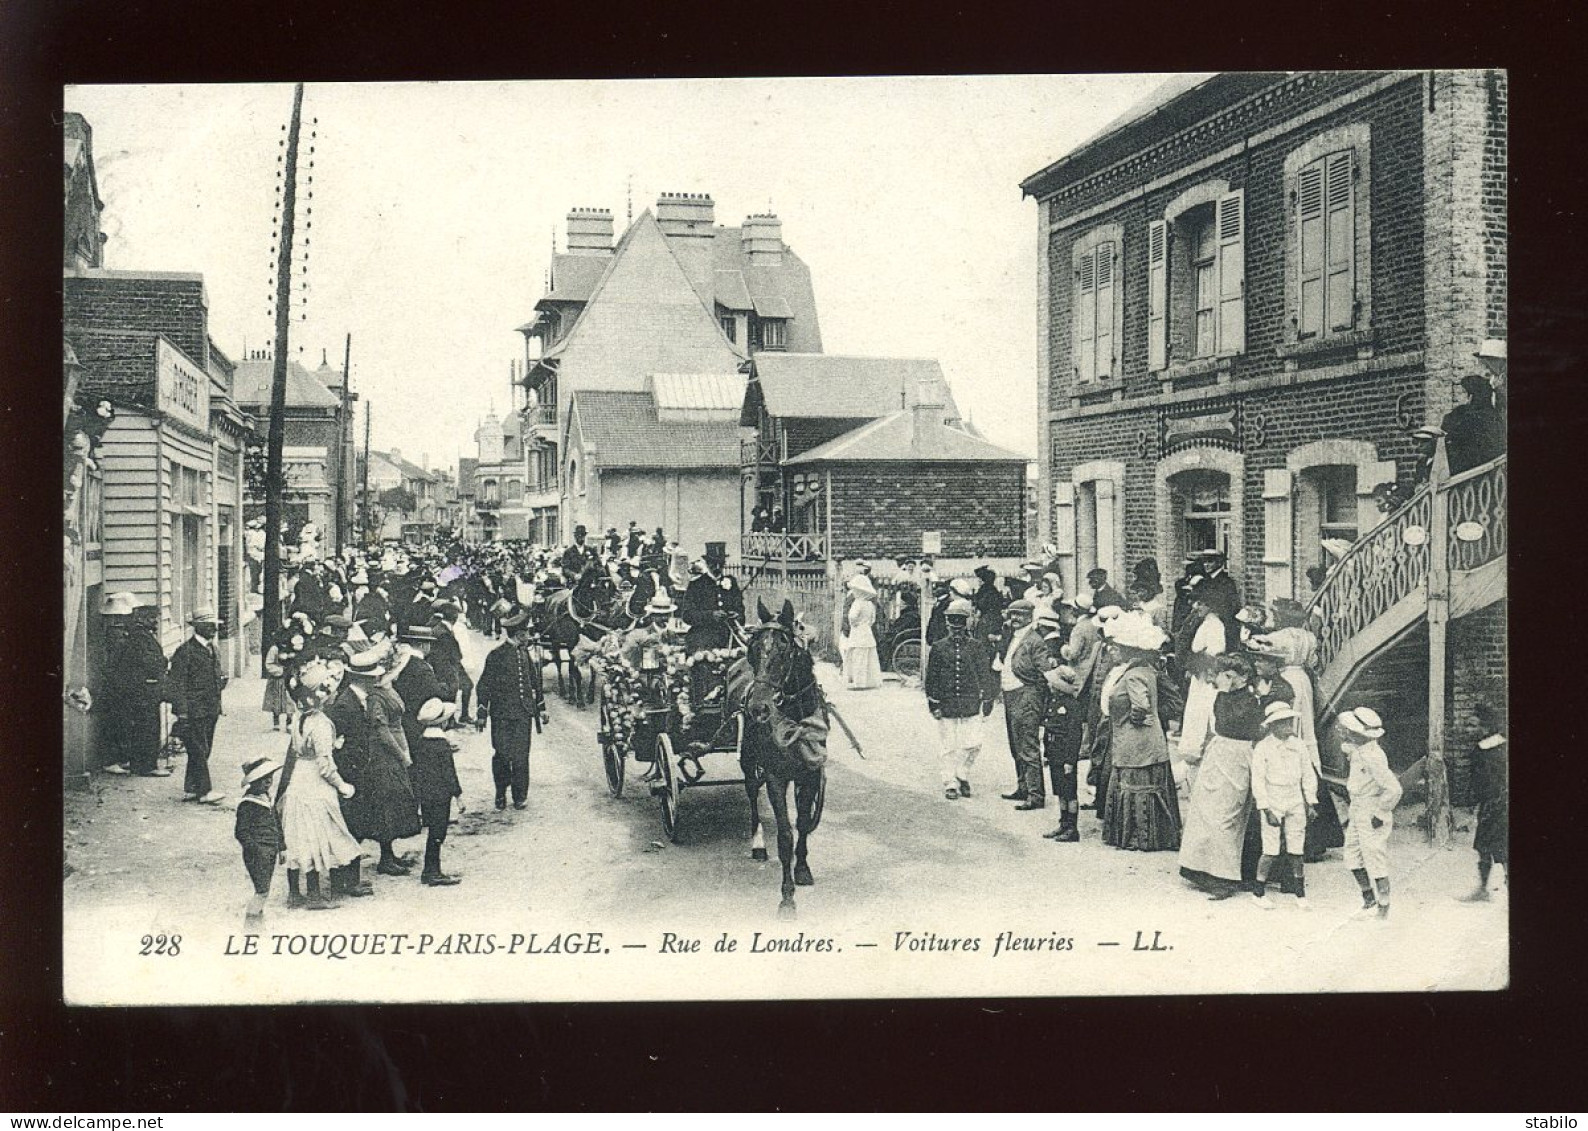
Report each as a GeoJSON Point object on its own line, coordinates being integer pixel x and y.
{"type": "Point", "coordinates": [435, 206]}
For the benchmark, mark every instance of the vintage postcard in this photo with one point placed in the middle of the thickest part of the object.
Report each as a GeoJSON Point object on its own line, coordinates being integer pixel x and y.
{"type": "Point", "coordinates": [1019, 536]}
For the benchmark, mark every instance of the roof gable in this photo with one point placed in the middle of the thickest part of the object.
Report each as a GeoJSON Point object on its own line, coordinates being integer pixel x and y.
{"type": "Point", "coordinates": [643, 317]}
{"type": "Point", "coordinates": [252, 380]}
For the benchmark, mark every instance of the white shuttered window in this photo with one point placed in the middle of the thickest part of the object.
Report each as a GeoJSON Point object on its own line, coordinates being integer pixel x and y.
{"type": "Point", "coordinates": [1096, 334]}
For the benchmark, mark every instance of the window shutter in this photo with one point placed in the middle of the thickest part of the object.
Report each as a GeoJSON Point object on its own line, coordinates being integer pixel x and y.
{"type": "Point", "coordinates": [1106, 545]}
{"type": "Point", "coordinates": [1064, 518]}
{"type": "Point", "coordinates": [1231, 220]}
{"type": "Point", "coordinates": [1339, 205]}
{"type": "Point", "coordinates": [1310, 248]}
{"type": "Point", "coordinates": [1106, 346]}
{"type": "Point", "coordinates": [1157, 295]}
{"type": "Point", "coordinates": [1086, 318]}
{"type": "Point", "coordinates": [1277, 534]}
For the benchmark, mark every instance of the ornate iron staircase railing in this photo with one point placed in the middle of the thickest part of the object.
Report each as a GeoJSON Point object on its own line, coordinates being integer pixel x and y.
{"type": "Point", "coordinates": [1379, 590]}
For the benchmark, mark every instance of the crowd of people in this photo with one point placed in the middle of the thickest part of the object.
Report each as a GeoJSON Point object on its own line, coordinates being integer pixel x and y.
{"type": "Point", "coordinates": [1197, 720]}
{"type": "Point", "coordinates": [1198, 723]}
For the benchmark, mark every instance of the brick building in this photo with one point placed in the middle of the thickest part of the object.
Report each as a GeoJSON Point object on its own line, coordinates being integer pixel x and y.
{"type": "Point", "coordinates": [677, 295]}
{"type": "Point", "coordinates": [1251, 290]}
{"type": "Point", "coordinates": [317, 445]}
{"type": "Point", "coordinates": [862, 455]}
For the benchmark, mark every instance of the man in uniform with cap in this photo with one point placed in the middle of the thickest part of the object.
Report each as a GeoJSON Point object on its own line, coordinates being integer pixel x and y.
{"type": "Point", "coordinates": [1022, 665]}
{"type": "Point", "coordinates": [194, 686]}
{"type": "Point", "coordinates": [959, 693]}
{"type": "Point", "coordinates": [136, 671]}
{"type": "Point", "coordinates": [510, 694]}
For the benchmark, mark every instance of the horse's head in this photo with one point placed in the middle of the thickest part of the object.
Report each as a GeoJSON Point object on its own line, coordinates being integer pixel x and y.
{"type": "Point", "coordinates": [770, 654]}
{"type": "Point", "coordinates": [594, 588]}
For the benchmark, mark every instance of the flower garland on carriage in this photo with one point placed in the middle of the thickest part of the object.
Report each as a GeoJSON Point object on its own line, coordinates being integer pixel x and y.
{"type": "Point", "coordinates": [650, 670]}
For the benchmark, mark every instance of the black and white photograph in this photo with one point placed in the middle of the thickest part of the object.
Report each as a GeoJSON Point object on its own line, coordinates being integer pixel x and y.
{"type": "Point", "coordinates": [959, 536]}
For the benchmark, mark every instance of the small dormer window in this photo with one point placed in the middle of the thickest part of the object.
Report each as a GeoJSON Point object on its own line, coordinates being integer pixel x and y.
{"type": "Point", "coordinates": [773, 333]}
{"type": "Point", "coordinates": [730, 327]}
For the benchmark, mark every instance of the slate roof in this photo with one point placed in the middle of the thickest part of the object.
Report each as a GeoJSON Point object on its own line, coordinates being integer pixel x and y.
{"type": "Point", "coordinates": [408, 470]}
{"type": "Point", "coordinates": [466, 466]}
{"type": "Point", "coordinates": [574, 277]}
{"type": "Point", "coordinates": [833, 386]}
{"type": "Point", "coordinates": [893, 438]}
{"type": "Point", "coordinates": [625, 432]}
{"type": "Point", "coordinates": [251, 386]}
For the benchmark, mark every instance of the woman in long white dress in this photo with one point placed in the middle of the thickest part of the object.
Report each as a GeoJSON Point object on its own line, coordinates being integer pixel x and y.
{"type": "Point", "coordinates": [1196, 726]}
{"type": "Point", "coordinates": [861, 669]}
{"type": "Point", "coordinates": [313, 832]}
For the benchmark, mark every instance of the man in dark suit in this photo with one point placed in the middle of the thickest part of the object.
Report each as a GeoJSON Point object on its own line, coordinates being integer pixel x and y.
{"type": "Point", "coordinates": [193, 688]}
{"type": "Point", "coordinates": [136, 670]}
{"type": "Point", "coordinates": [446, 656]}
{"type": "Point", "coordinates": [578, 557]}
{"type": "Point", "coordinates": [509, 693]}
{"type": "Point", "coordinates": [1221, 594]}
{"type": "Point", "coordinates": [710, 603]}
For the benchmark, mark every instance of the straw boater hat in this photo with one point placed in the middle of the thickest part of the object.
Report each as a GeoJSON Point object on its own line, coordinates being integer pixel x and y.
{"type": "Point", "coordinates": [1362, 721]}
{"type": "Point", "coordinates": [1081, 600]}
{"type": "Point", "coordinates": [1277, 712]}
{"type": "Point", "coordinates": [259, 768]}
{"type": "Point", "coordinates": [431, 711]}
{"type": "Point", "coordinates": [118, 605]}
{"type": "Point", "coordinates": [661, 604]}
{"type": "Point", "coordinates": [369, 662]}
{"type": "Point", "coordinates": [203, 616]}
{"type": "Point", "coordinates": [418, 634]}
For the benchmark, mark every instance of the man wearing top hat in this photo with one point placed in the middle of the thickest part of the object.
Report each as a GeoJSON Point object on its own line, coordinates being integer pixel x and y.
{"type": "Point", "coordinates": [510, 694]}
{"type": "Point", "coordinates": [193, 688]}
{"type": "Point", "coordinates": [579, 556]}
{"type": "Point", "coordinates": [711, 602]}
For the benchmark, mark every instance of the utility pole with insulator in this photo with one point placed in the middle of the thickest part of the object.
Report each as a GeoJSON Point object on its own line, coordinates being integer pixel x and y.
{"type": "Point", "coordinates": [271, 613]}
{"type": "Point", "coordinates": [364, 487]}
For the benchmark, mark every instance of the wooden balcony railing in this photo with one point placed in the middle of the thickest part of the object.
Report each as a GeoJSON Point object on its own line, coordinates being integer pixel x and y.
{"type": "Point", "coordinates": [785, 547]}
{"type": "Point", "coordinates": [756, 452]}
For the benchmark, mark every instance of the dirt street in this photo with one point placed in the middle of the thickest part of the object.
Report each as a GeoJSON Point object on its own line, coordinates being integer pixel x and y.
{"type": "Point", "coordinates": [896, 866]}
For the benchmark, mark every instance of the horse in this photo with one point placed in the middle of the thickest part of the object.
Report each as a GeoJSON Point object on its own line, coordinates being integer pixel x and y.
{"type": "Point", "coordinates": [573, 622]}
{"type": "Point", "coordinates": [785, 740]}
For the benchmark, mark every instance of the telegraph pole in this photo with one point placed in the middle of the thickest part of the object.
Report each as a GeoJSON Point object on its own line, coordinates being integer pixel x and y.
{"type": "Point", "coordinates": [271, 613]}
{"type": "Point", "coordinates": [363, 533]}
{"type": "Point", "coordinates": [344, 441]}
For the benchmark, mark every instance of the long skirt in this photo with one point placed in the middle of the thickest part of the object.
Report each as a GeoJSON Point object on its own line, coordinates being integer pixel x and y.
{"type": "Point", "coordinates": [1143, 810]}
{"type": "Point", "coordinates": [312, 830]}
{"type": "Point", "coordinates": [1221, 803]}
{"type": "Point", "coordinates": [383, 807]}
{"type": "Point", "coordinates": [861, 669]}
{"type": "Point", "coordinates": [1196, 726]}
{"type": "Point", "coordinates": [277, 701]}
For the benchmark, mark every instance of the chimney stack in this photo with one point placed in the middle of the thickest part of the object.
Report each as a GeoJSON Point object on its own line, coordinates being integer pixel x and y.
{"type": "Point", "coordinates": [761, 240]}
{"type": "Point", "coordinates": [686, 213]}
{"type": "Point", "coordinates": [424, 461]}
{"type": "Point", "coordinates": [926, 420]}
{"type": "Point", "coordinates": [590, 231]}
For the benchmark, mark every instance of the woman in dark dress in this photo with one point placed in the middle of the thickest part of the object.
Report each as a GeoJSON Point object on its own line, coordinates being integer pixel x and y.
{"type": "Point", "coordinates": [1142, 811]}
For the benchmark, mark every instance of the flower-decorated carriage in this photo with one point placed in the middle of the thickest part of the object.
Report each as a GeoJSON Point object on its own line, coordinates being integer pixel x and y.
{"type": "Point", "coordinates": [667, 709]}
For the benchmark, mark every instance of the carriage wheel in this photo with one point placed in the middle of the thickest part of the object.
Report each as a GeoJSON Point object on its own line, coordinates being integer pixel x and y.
{"type": "Point", "coordinates": [821, 801]}
{"type": "Point", "coordinates": [668, 788]}
{"type": "Point", "coordinates": [613, 756]}
{"type": "Point", "coordinates": [907, 657]}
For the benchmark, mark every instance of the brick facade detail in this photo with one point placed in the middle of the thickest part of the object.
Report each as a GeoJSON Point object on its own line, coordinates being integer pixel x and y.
{"type": "Point", "coordinates": [882, 510]}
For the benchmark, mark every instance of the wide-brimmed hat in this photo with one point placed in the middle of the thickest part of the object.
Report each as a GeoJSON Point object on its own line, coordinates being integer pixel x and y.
{"type": "Point", "coordinates": [1491, 348]}
{"type": "Point", "coordinates": [1363, 721]}
{"type": "Point", "coordinates": [118, 605]}
{"type": "Point", "coordinates": [1277, 712]}
{"type": "Point", "coordinates": [369, 661]}
{"type": "Point", "coordinates": [431, 711]}
{"type": "Point", "coordinates": [860, 583]}
{"type": "Point", "coordinates": [661, 604]}
{"type": "Point", "coordinates": [1108, 613]}
{"type": "Point", "coordinates": [203, 616]}
{"type": "Point", "coordinates": [316, 675]}
{"type": "Point", "coordinates": [964, 586]}
{"type": "Point", "coordinates": [1081, 599]}
{"type": "Point", "coordinates": [259, 768]}
{"type": "Point", "coordinates": [1136, 630]}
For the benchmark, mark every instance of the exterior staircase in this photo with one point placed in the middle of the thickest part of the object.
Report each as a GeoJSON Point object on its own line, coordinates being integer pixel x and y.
{"type": "Point", "coordinates": [1373, 609]}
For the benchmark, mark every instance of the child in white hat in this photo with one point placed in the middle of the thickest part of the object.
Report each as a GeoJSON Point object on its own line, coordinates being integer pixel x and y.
{"type": "Point", "coordinates": [258, 831]}
{"type": "Point", "coordinates": [1374, 791]}
{"type": "Point", "coordinates": [1285, 789]}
